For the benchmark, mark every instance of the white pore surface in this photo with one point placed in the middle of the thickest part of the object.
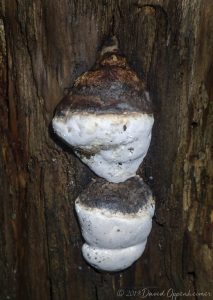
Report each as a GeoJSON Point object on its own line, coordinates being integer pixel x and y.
{"type": "Point", "coordinates": [110, 230]}
{"type": "Point", "coordinates": [112, 259]}
{"type": "Point", "coordinates": [119, 141]}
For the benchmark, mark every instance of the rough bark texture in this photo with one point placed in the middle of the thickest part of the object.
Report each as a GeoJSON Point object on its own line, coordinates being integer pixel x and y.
{"type": "Point", "coordinates": [44, 46]}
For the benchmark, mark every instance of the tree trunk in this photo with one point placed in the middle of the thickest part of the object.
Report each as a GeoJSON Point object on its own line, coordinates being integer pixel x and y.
{"type": "Point", "coordinates": [44, 46]}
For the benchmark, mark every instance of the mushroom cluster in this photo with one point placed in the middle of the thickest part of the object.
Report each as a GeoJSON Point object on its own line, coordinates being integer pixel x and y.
{"type": "Point", "coordinates": [107, 119]}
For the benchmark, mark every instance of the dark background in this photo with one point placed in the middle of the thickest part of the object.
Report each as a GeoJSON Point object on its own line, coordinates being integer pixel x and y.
{"type": "Point", "coordinates": [44, 46]}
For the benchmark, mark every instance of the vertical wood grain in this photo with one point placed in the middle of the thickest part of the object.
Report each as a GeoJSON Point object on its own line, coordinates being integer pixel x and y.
{"type": "Point", "coordinates": [44, 46]}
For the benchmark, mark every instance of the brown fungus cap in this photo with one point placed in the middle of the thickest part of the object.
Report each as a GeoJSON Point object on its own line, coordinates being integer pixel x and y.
{"type": "Point", "coordinates": [110, 87]}
{"type": "Point", "coordinates": [126, 197]}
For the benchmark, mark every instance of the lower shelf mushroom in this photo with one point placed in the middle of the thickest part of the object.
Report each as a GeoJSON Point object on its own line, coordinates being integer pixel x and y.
{"type": "Point", "coordinates": [112, 260]}
{"type": "Point", "coordinates": [115, 220]}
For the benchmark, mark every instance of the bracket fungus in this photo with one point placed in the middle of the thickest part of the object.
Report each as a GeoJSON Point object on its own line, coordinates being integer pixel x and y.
{"type": "Point", "coordinates": [115, 220]}
{"type": "Point", "coordinates": [107, 119]}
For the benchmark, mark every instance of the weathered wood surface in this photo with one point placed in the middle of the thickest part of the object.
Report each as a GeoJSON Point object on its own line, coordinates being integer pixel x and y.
{"type": "Point", "coordinates": [44, 46]}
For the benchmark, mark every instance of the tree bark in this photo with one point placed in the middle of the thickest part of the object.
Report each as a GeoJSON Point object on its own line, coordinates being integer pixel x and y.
{"type": "Point", "coordinates": [44, 46]}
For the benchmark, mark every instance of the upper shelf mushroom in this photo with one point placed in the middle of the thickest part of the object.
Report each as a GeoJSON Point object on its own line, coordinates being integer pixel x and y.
{"type": "Point", "coordinates": [107, 117]}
